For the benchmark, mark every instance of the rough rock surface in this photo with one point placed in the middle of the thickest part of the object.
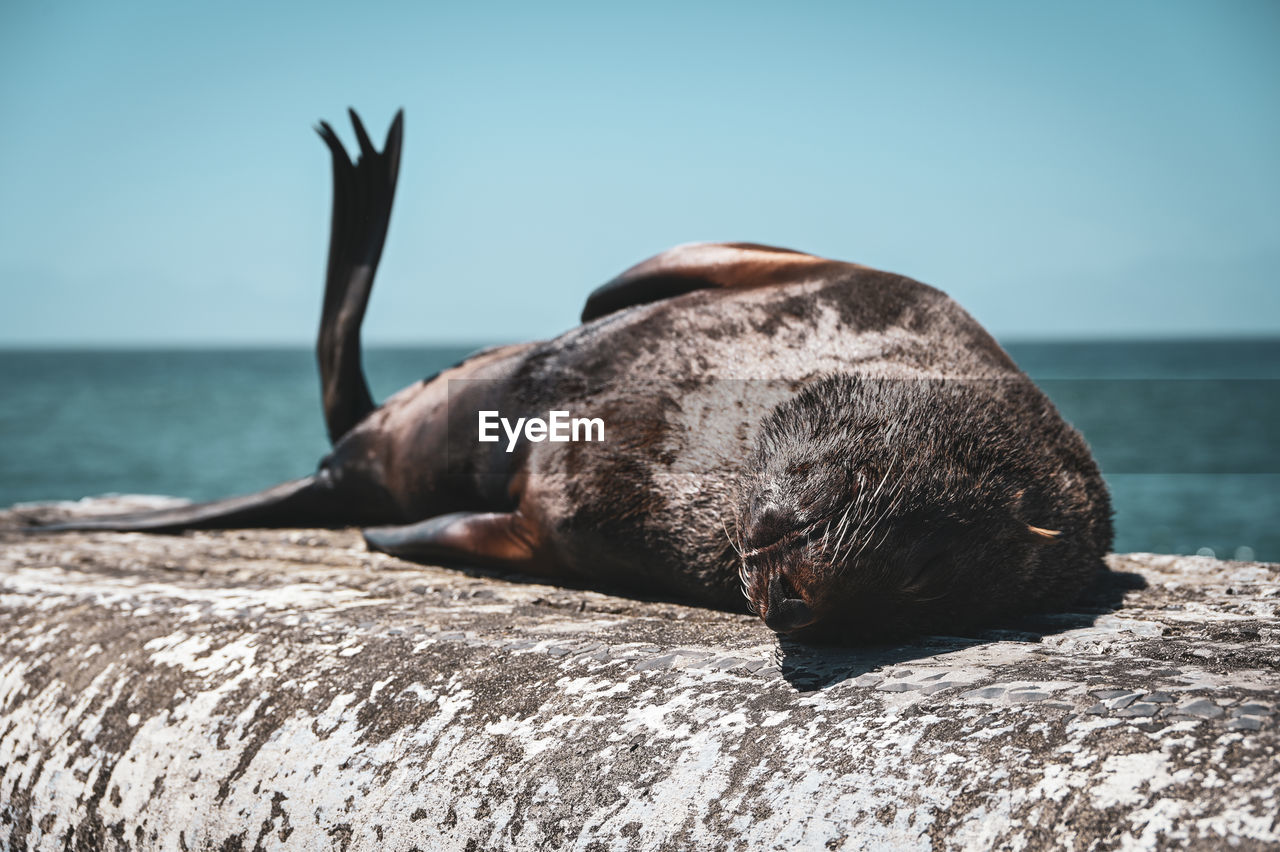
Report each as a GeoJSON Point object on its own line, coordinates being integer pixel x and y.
{"type": "Point", "coordinates": [289, 689]}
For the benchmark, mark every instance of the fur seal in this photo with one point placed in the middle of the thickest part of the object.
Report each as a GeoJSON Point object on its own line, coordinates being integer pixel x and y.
{"type": "Point", "coordinates": [847, 447]}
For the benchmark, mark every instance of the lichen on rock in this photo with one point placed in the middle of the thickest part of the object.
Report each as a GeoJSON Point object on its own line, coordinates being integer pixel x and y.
{"type": "Point", "coordinates": [288, 689]}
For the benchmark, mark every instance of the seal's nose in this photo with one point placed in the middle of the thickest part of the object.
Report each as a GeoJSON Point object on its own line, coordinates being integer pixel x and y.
{"type": "Point", "coordinates": [786, 612]}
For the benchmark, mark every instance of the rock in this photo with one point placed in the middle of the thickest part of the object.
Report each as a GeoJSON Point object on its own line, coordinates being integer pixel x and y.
{"type": "Point", "coordinates": [1202, 707]}
{"type": "Point", "coordinates": [288, 690]}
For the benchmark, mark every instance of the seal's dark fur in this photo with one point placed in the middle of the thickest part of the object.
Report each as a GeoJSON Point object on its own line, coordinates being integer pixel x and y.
{"type": "Point", "coordinates": [932, 504]}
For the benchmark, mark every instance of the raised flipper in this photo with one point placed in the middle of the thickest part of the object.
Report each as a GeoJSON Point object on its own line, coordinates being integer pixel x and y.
{"type": "Point", "coordinates": [702, 266]}
{"type": "Point", "coordinates": [362, 196]}
{"type": "Point", "coordinates": [309, 502]}
{"type": "Point", "coordinates": [495, 539]}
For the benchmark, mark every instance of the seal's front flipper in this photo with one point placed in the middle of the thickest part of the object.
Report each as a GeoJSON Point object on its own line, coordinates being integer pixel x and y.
{"type": "Point", "coordinates": [703, 266]}
{"type": "Point", "coordinates": [503, 540]}
{"type": "Point", "coordinates": [362, 196]}
{"type": "Point", "coordinates": [308, 502]}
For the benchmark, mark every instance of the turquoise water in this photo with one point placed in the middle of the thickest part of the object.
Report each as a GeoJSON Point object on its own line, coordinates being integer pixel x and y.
{"type": "Point", "coordinates": [1184, 431]}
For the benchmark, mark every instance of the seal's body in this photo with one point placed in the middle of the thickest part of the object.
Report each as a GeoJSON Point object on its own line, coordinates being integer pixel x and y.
{"type": "Point", "coordinates": [846, 446]}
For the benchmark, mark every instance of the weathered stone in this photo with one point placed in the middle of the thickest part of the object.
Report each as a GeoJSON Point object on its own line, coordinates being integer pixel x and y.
{"type": "Point", "coordinates": [1251, 709]}
{"type": "Point", "coordinates": [1123, 700]}
{"type": "Point", "coordinates": [1201, 707]}
{"type": "Point", "coordinates": [289, 690]}
{"type": "Point", "coordinates": [1245, 723]}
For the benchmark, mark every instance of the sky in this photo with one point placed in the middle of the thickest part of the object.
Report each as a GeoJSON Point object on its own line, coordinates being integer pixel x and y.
{"type": "Point", "coordinates": [1076, 170]}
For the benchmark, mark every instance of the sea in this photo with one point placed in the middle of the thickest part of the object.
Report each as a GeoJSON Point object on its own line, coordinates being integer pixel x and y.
{"type": "Point", "coordinates": [1185, 430]}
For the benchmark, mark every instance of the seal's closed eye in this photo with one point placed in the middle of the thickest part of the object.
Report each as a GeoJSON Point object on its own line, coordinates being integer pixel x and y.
{"type": "Point", "coordinates": [768, 524]}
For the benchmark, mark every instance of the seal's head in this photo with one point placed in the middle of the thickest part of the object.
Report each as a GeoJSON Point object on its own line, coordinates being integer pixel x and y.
{"type": "Point", "coordinates": [875, 507]}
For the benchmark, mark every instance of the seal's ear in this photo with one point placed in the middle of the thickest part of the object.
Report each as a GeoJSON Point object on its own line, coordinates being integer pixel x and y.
{"type": "Point", "coordinates": [1024, 507]}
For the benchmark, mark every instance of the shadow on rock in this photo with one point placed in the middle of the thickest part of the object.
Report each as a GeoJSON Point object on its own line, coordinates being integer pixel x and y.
{"type": "Point", "coordinates": [809, 667]}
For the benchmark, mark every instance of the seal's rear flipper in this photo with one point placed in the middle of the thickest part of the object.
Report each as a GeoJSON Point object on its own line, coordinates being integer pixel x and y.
{"type": "Point", "coordinates": [503, 540]}
{"type": "Point", "coordinates": [702, 266]}
{"type": "Point", "coordinates": [362, 195]}
{"type": "Point", "coordinates": [305, 502]}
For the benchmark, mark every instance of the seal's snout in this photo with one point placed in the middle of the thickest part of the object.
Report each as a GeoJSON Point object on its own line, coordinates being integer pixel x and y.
{"type": "Point", "coordinates": [786, 611]}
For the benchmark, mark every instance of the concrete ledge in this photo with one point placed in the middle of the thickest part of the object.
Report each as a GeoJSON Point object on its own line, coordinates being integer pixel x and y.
{"type": "Point", "coordinates": [290, 690]}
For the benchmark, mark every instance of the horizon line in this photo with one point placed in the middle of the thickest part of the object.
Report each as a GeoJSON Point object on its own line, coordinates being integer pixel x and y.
{"type": "Point", "coordinates": [160, 345]}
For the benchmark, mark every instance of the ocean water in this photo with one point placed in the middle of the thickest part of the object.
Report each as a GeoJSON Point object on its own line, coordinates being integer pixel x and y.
{"type": "Point", "coordinates": [1185, 431]}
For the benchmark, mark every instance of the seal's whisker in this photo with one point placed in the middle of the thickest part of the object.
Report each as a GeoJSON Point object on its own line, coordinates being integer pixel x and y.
{"type": "Point", "coordinates": [839, 526]}
{"type": "Point", "coordinates": [870, 501]}
{"type": "Point", "coordinates": [851, 520]}
{"type": "Point", "coordinates": [895, 494]}
{"type": "Point", "coordinates": [889, 529]}
{"type": "Point", "coordinates": [725, 526]}
{"type": "Point", "coordinates": [844, 528]}
{"type": "Point", "coordinates": [864, 515]}
{"type": "Point", "coordinates": [746, 593]}
{"type": "Point", "coordinates": [888, 470]}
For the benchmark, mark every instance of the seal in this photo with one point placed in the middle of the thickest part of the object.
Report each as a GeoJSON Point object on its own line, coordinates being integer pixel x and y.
{"type": "Point", "coordinates": [846, 448]}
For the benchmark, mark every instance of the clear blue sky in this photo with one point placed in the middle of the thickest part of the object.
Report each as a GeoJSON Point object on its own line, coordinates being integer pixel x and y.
{"type": "Point", "coordinates": [1086, 169]}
